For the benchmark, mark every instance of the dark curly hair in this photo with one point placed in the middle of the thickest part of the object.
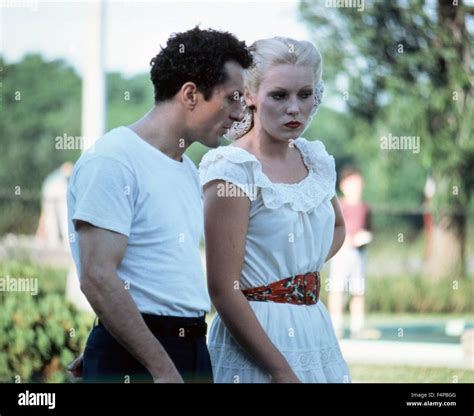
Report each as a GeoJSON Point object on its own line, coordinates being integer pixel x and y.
{"type": "Point", "coordinates": [196, 56]}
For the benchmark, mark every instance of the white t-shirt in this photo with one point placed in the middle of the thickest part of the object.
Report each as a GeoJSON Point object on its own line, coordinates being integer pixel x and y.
{"type": "Point", "coordinates": [130, 187]}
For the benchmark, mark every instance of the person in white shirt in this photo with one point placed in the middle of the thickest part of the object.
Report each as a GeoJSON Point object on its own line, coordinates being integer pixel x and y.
{"type": "Point", "coordinates": [135, 215]}
{"type": "Point", "coordinates": [52, 227]}
{"type": "Point", "coordinates": [272, 195]}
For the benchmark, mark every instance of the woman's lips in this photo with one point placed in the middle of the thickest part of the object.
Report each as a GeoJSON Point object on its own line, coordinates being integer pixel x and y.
{"type": "Point", "coordinates": [293, 124]}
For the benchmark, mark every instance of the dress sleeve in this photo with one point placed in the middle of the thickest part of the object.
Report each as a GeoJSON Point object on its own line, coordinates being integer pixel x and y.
{"type": "Point", "coordinates": [231, 166]}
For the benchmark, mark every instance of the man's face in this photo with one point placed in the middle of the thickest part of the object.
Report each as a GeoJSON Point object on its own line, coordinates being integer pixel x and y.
{"type": "Point", "coordinates": [212, 118]}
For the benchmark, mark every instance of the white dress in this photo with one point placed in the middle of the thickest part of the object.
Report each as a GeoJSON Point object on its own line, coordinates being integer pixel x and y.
{"type": "Point", "coordinates": [290, 232]}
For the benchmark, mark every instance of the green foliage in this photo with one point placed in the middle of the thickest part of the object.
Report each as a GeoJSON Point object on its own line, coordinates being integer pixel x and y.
{"type": "Point", "coordinates": [414, 294]}
{"type": "Point", "coordinates": [19, 216]}
{"type": "Point", "coordinates": [41, 101]}
{"type": "Point", "coordinates": [419, 295]}
{"type": "Point", "coordinates": [128, 99]}
{"type": "Point", "coordinates": [196, 151]}
{"type": "Point", "coordinates": [404, 73]}
{"type": "Point", "coordinates": [50, 279]}
{"type": "Point", "coordinates": [39, 334]}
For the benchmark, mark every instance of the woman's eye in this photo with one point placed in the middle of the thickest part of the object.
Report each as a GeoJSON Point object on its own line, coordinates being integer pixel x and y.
{"type": "Point", "coordinates": [306, 94]}
{"type": "Point", "coordinates": [278, 96]}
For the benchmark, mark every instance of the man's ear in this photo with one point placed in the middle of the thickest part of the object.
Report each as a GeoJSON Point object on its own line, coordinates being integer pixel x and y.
{"type": "Point", "coordinates": [189, 95]}
{"type": "Point", "coordinates": [249, 98]}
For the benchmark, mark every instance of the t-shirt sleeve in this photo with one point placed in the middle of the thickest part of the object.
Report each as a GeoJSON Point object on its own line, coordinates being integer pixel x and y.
{"type": "Point", "coordinates": [104, 192]}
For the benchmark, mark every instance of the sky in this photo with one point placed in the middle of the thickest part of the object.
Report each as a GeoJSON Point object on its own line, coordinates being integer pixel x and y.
{"type": "Point", "coordinates": [134, 29]}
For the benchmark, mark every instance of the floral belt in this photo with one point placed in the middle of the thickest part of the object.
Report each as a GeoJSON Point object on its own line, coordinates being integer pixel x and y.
{"type": "Point", "coordinates": [302, 289]}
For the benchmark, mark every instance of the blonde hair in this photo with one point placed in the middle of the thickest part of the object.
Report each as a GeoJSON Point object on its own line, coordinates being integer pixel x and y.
{"type": "Point", "coordinates": [267, 53]}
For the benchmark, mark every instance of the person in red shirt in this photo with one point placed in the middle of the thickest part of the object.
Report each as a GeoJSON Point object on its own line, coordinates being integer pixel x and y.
{"type": "Point", "coordinates": [347, 269]}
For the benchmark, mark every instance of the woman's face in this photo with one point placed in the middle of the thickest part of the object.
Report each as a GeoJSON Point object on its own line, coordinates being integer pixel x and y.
{"type": "Point", "coordinates": [284, 101]}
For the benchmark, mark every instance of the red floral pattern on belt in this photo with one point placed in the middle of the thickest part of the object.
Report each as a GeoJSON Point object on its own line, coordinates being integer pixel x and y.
{"type": "Point", "coordinates": [302, 289]}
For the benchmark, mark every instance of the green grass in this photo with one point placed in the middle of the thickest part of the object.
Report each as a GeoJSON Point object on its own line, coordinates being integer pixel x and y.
{"type": "Point", "coordinates": [386, 243]}
{"type": "Point", "coordinates": [362, 373]}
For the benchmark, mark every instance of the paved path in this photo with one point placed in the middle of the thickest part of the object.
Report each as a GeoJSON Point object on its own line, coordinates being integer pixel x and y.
{"type": "Point", "coordinates": [420, 354]}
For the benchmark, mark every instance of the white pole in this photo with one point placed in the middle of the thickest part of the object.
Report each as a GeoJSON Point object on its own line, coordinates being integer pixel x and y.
{"type": "Point", "coordinates": [93, 110]}
{"type": "Point", "coordinates": [93, 81]}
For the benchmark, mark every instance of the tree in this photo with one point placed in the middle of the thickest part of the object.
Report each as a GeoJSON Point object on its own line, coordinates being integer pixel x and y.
{"type": "Point", "coordinates": [41, 101]}
{"type": "Point", "coordinates": [407, 68]}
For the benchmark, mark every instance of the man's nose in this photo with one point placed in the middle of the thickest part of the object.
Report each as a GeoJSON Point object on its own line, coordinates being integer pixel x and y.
{"type": "Point", "coordinates": [237, 115]}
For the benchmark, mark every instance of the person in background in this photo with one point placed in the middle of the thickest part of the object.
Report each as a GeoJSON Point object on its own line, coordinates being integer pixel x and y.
{"type": "Point", "coordinates": [347, 270]}
{"type": "Point", "coordinates": [53, 226]}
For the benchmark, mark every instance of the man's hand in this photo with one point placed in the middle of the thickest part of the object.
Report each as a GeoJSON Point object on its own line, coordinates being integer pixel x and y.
{"type": "Point", "coordinates": [171, 377]}
{"type": "Point", "coordinates": [101, 253]}
{"type": "Point", "coordinates": [75, 369]}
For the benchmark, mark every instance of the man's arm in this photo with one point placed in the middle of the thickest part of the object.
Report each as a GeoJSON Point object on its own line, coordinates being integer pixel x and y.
{"type": "Point", "coordinates": [101, 252]}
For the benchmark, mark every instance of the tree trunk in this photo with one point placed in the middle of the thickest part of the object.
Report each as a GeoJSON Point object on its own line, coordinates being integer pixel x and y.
{"type": "Point", "coordinates": [447, 248]}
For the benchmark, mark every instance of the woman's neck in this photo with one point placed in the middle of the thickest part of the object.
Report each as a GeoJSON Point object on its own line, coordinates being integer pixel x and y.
{"type": "Point", "coordinates": [267, 147]}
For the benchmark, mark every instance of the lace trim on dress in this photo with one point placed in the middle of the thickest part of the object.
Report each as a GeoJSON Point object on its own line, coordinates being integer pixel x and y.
{"type": "Point", "coordinates": [314, 360]}
{"type": "Point", "coordinates": [304, 196]}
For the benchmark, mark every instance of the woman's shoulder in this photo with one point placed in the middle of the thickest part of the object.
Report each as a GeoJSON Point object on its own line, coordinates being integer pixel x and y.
{"type": "Point", "coordinates": [227, 154]}
{"type": "Point", "coordinates": [312, 147]}
{"type": "Point", "coordinates": [316, 156]}
{"type": "Point", "coordinates": [230, 164]}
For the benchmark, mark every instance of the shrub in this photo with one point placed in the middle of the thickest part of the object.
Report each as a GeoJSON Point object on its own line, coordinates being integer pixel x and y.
{"type": "Point", "coordinates": [414, 294]}
{"type": "Point", "coordinates": [39, 334]}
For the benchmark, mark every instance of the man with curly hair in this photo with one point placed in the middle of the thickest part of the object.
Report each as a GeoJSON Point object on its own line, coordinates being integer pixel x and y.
{"type": "Point", "coordinates": [136, 218]}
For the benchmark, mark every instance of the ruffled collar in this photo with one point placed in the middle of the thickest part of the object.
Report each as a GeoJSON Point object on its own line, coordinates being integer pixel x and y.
{"type": "Point", "coordinates": [305, 195]}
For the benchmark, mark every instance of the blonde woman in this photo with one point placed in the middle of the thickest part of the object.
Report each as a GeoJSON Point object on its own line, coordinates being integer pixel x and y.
{"type": "Point", "coordinates": [271, 222]}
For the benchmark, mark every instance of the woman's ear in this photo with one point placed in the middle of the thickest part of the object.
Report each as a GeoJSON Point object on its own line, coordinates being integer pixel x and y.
{"type": "Point", "coordinates": [249, 99]}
